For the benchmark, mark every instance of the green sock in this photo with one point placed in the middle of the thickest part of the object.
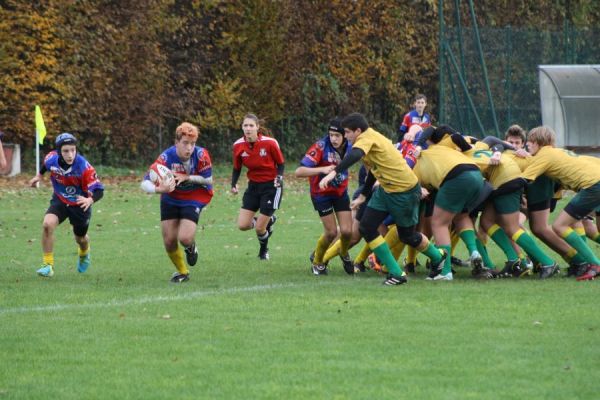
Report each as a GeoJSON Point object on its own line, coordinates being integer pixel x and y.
{"type": "Point", "coordinates": [447, 268]}
{"type": "Point", "coordinates": [596, 238]}
{"type": "Point", "coordinates": [581, 233]}
{"type": "Point", "coordinates": [574, 257]}
{"type": "Point", "coordinates": [524, 240]}
{"type": "Point", "coordinates": [433, 253]}
{"type": "Point", "coordinates": [487, 261]}
{"type": "Point", "coordinates": [469, 238]}
{"type": "Point", "coordinates": [382, 251]}
{"type": "Point", "coordinates": [575, 241]}
{"type": "Point", "coordinates": [499, 237]}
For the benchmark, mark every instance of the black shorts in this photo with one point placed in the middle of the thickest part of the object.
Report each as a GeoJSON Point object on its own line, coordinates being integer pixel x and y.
{"type": "Point", "coordinates": [170, 211]}
{"type": "Point", "coordinates": [361, 209]}
{"type": "Point", "coordinates": [327, 206]}
{"type": "Point", "coordinates": [262, 196]}
{"type": "Point", "coordinates": [539, 206]}
{"type": "Point", "coordinates": [77, 217]}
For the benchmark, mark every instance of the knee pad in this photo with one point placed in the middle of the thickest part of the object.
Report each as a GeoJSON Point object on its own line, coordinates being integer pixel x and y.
{"type": "Point", "coordinates": [409, 236]}
{"type": "Point", "coordinates": [368, 230]}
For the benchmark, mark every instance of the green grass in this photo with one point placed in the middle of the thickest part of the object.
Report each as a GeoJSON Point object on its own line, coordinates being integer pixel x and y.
{"type": "Point", "coordinates": [245, 329]}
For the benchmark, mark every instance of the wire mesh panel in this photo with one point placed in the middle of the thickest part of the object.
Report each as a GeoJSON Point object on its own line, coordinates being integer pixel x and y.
{"type": "Point", "coordinates": [512, 57]}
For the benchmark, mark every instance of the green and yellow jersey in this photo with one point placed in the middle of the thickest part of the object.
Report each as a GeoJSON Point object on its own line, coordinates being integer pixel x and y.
{"type": "Point", "coordinates": [570, 170]}
{"type": "Point", "coordinates": [434, 164]}
{"type": "Point", "coordinates": [496, 175]}
{"type": "Point", "coordinates": [385, 162]}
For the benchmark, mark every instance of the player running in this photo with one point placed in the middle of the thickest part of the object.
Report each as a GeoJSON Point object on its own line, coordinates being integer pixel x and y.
{"type": "Point", "coordinates": [261, 155]}
{"type": "Point", "coordinates": [182, 198]}
{"type": "Point", "coordinates": [76, 187]}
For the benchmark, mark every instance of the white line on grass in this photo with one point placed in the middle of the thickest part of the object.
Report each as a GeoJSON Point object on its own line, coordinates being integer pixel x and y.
{"type": "Point", "coordinates": [154, 299]}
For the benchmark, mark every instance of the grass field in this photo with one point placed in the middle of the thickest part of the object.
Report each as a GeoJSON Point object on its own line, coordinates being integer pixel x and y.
{"type": "Point", "coordinates": [246, 329]}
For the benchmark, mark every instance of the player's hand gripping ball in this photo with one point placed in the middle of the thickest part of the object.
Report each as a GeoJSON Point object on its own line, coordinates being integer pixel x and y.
{"type": "Point", "coordinates": [160, 173]}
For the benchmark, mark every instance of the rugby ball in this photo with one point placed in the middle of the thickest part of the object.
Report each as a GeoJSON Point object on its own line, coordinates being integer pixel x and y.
{"type": "Point", "coordinates": [159, 173]}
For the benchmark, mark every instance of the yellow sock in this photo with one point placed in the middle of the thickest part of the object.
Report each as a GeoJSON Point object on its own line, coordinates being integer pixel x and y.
{"type": "Point", "coordinates": [397, 249]}
{"type": "Point", "coordinates": [344, 245]}
{"type": "Point", "coordinates": [580, 231]}
{"type": "Point", "coordinates": [411, 256]}
{"type": "Point", "coordinates": [83, 252]}
{"type": "Point", "coordinates": [454, 238]}
{"type": "Point", "coordinates": [393, 241]}
{"type": "Point", "coordinates": [391, 237]}
{"type": "Point", "coordinates": [364, 253]}
{"type": "Point", "coordinates": [322, 245]}
{"type": "Point", "coordinates": [48, 259]}
{"type": "Point", "coordinates": [177, 260]}
{"type": "Point", "coordinates": [332, 251]}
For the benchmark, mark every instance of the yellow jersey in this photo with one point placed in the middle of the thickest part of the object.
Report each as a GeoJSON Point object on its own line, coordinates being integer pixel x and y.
{"type": "Point", "coordinates": [522, 162]}
{"type": "Point", "coordinates": [496, 175]}
{"type": "Point", "coordinates": [385, 162]}
{"type": "Point", "coordinates": [570, 170]}
{"type": "Point", "coordinates": [434, 164]}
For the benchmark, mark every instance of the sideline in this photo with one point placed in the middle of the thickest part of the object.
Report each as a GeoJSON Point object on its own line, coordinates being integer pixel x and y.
{"type": "Point", "coordinates": [158, 299]}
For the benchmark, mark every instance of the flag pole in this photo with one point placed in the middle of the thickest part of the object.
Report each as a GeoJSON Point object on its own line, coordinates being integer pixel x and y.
{"type": "Point", "coordinates": [40, 134]}
{"type": "Point", "coordinates": [37, 156]}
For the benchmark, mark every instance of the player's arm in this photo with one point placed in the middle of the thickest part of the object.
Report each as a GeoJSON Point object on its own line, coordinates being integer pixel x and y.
{"type": "Point", "coordinates": [199, 179]}
{"type": "Point", "coordinates": [203, 174]}
{"type": "Point", "coordinates": [537, 167]}
{"type": "Point", "coordinates": [351, 158]}
{"type": "Point", "coordinates": [164, 186]}
{"type": "Point", "coordinates": [365, 191]}
{"type": "Point", "coordinates": [38, 177]}
{"type": "Point", "coordinates": [304, 172]}
{"type": "Point", "coordinates": [403, 127]}
{"type": "Point", "coordinates": [92, 186]}
{"type": "Point", "coordinates": [496, 144]}
{"type": "Point", "coordinates": [235, 176]}
{"type": "Point", "coordinates": [278, 182]}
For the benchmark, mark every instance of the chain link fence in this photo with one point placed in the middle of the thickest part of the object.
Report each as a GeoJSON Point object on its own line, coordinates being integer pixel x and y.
{"type": "Point", "coordinates": [511, 59]}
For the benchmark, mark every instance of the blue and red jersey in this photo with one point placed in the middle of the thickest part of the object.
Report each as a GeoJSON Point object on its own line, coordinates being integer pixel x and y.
{"type": "Point", "coordinates": [408, 150]}
{"type": "Point", "coordinates": [78, 180]}
{"type": "Point", "coordinates": [260, 157]}
{"type": "Point", "coordinates": [321, 154]}
{"type": "Point", "coordinates": [188, 193]}
{"type": "Point", "coordinates": [413, 118]}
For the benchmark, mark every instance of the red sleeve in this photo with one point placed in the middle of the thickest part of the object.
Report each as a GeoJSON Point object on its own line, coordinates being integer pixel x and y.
{"type": "Point", "coordinates": [204, 162]}
{"type": "Point", "coordinates": [276, 153]}
{"type": "Point", "coordinates": [406, 121]}
{"type": "Point", "coordinates": [89, 179]}
{"type": "Point", "coordinates": [237, 160]}
{"type": "Point", "coordinates": [161, 160]}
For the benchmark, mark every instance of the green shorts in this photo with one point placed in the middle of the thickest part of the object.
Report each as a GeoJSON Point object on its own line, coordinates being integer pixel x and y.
{"type": "Point", "coordinates": [508, 203]}
{"type": "Point", "coordinates": [584, 202]}
{"type": "Point", "coordinates": [539, 191]}
{"type": "Point", "coordinates": [460, 193]}
{"type": "Point", "coordinates": [402, 206]}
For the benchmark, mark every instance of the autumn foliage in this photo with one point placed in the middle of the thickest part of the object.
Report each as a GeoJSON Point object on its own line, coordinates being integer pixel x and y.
{"type": "Point", "coordinates": [122, 74]}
